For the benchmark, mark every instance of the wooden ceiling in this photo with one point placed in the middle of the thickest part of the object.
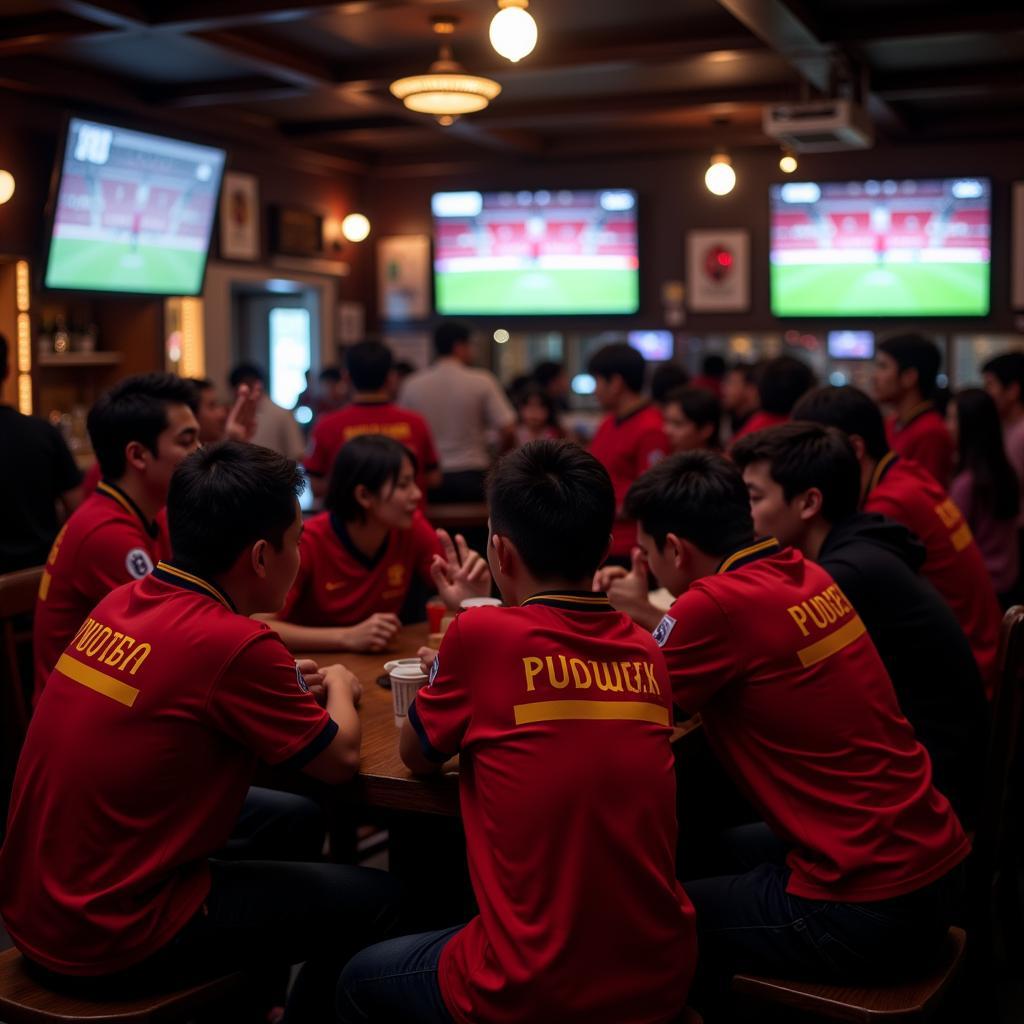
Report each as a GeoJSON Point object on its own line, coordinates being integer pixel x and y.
{"type": "Point", "coordinates": [608, 76]}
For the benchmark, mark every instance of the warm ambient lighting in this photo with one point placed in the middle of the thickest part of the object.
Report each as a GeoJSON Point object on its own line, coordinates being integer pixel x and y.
{"type": "Point", "coordinates": [21, 286]}
{"type": "Point", "coordinates": [355, 227]}
{"type": "Point", "coordinates": [501, 335]}
{"type": "Point", "coordinates": [788, 163]}
{"type": "Point", "coordinates": [22, 299]}
{"type": "Point", "coordinates": [720, 178]}
{"type": "Point", "coordinates": [446, 91]}
{"type": "Point", "coordinates": [6, 186]}
{"type": "Point", "coordinates": [513, 31]}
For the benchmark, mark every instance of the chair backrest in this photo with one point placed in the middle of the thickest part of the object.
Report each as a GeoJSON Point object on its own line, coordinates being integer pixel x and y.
{"type": "Point", "coordinates": [18, 592]}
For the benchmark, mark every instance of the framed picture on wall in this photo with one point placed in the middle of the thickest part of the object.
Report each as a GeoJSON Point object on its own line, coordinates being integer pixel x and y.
{"type": "Point", "coordinates": [1018, 245]}
{"type": "Point", "coordinates": [240, 217]}
{"type": "Point", "coordinates": [403, 277]}
{"type": "Point", "coordinates": [718, 271]}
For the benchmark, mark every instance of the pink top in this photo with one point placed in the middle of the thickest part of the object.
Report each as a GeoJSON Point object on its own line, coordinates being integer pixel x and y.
{"type": "Point", "coordinates": [997, 538]}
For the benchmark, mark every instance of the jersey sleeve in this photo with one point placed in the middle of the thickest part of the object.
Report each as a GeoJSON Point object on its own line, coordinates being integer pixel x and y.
{"type": "Point", "coordinates": [262, 702]}
{"type": "Point", "coordinates": [111, 557]}
{"type": "Point", "coordinates": [700, 648]}
{"type": "Point", "coordinates": [442, 710]}
{"type": "Point", "coordinates": [302, 578]}
{"type": "Point", "coordinates": [425, 546]}
{"type": "Point", "coordinates": [319, 460]}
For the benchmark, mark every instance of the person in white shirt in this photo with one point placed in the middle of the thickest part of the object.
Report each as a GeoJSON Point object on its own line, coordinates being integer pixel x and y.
{"type": "Point", "coordinates": [276, 428]}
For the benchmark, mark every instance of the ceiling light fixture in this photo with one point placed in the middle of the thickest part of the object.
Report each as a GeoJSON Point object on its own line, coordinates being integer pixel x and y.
{"type": "Point", "coordinates": [355, 227]}
{"type": "Point", "coordinates": [6, 186]}
{"type": "Point", "coordinates": [720, 178]}
{"type": "Point", "coordinates": [446, 90]}
{"type": "Point", "coordinates": [513, 31]}
{"type": "Point", "coordinates": [787, 163]}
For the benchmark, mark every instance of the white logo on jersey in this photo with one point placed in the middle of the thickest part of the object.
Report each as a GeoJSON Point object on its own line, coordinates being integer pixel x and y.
{"type": "Point", "coordinates": [664, 630]}
{"type": "Point", "coordinates": [301, 680]}
{"type": "Point", "coordinates": [436, 664]}
{"type": "Point", "coordinates": [138, 563]}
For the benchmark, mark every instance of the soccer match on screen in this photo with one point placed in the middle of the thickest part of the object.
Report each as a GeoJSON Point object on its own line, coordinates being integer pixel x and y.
{"type": "Point", "coordinates": [133, 212]}
{"type": "Point", "coordinates": [881, 248]}
{"type": "Point", "coordinates": [526, 252]}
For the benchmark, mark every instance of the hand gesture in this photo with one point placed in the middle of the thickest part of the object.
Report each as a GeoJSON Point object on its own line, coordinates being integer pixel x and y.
{"type": "Point", "coordinates": [337, 677]}
{"type": "Point", "coordinates": [628, 592]}
{"type": "Point", "coordinates": [604, 577]}
{"type": "Point", "coordinates": [460, 572]}
{"type": "Point", "coordinates": [241, 422]}
{"type": "Point", "coordinates": [372, 634]}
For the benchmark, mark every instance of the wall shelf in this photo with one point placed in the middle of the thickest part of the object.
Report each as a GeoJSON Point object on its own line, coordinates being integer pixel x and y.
{"type": "Point", "coordinates": [79, 359]}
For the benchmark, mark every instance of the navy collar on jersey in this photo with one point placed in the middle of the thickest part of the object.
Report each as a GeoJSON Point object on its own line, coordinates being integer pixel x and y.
{"type": "Point", "coordinates": [187, 581]}
{"type": "Point", "coordinates": [115, 493]}
{"type": "Point", "coordinates": [884, 464]}
{"type": "Point", "coordinates": [619, 420]}
{"type": "Point", "coordinates": [916, 413]}
{"type": "Point", "coordinates": [751, 553]}
{"type": "Point", "coordinates": [365, 560]}
{"type": "Point", "coordinates": [371, 401]}
{"type": "Point", "coordinates": [571, 600]}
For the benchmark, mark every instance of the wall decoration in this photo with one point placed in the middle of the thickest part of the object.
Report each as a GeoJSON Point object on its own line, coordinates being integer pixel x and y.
{"type": "Point", "coordinates": [718, 271]}
{"type": "Point", "coordinates": [296, 232]}
{"type": "Point", "coordinates": [403, 277]}
{"type": "Point", "coordinates": [1018, 245]}
{"type": "Point", "coordinates": [240, 217]}
{"type": "Point", "coordinates": [351, 322]}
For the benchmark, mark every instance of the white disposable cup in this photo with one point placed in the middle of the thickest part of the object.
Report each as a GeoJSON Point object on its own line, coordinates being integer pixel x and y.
{"type": "Point", "coordinates": [406, 681]}
{"type": "Point", "coordinates": [390, 666]}
{"type": "Point", "coordinates": [481, 602]}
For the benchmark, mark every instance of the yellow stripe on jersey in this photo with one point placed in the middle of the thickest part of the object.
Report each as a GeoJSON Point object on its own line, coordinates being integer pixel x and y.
{"type": "Point", "coordinates": [96, 680]}
{"type": "Point", "coordinates": [110, 492]}
{"type": "Point", "coordinates": [763, 545]}
{"type": "Point", "coordinates": [962, 538]}
{"type": "Point", "coordinates": [567, 598]}
{"type": "Point", "coordinates": [198, 581]}
{"type": "Point", "coordinates": [834, 642]}
{"type": "Point", "coordinates": [44, 584]}
{"type": "Point", "coordinates": [618, 710]}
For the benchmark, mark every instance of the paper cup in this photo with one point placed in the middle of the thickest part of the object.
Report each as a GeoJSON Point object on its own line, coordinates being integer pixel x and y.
{"type": "Point", "coordinates": [405, 683]}
{"type": "Point", "coordinates": [390, 666]}
{"type": "Point", "coordinates": [481, 602]}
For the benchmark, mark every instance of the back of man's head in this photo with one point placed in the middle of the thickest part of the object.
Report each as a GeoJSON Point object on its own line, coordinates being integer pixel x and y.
{"type": "Point", "coordinates": [781, 382]}
{"type": "Point", "coordinates": [805, 455]}
{"type": "Point", "coordinates": [556, 504]}
{"type": "Point", "coordinates": [547, 372]}
{"type": "Point", "coordinates": [698, 496]}
{"type": "Point", "coordinates": [1008, 369]}
{"type": "Point", "coordinates": [247, 373]}
{"type": "Point", "coordinates": [849, 409]}
{"type": "Point", "coordinates": [134, 410]}
{"type": "Point", "coordinates": [915, 352]}
{"type": "Point", "coordinates": [368, 365]}
{"type": "Point", "coordinates": [619, 360]}
{"type": "Point", "coordinates": [225, 498]}
{"type": "Point", "coordinates": [447, 335]}
{"type": "Point", "coordinates": [667, 378]}
{"type": "Point", "coordinates": [713, 366]}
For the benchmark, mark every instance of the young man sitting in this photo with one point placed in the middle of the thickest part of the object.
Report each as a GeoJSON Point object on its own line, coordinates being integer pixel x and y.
{"type": "Point", "coordinates": [804, 484]}
{"type": "Point", "coordinates": [140, 754]}
{"type": "Point", "coordinates": [691, 418]}
{"type": "Point", "coordinates": [853, 870]}
{"type": "Point", "coordinates": [561, 712]}
{"type": "Point", "coordinates": [899, 488]}
{"type": "Point", "coordinates": [140, 431]}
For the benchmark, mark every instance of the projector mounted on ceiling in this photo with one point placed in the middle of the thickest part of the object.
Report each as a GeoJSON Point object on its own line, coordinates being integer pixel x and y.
{"type": "Point", "coordinates": [820, 126]}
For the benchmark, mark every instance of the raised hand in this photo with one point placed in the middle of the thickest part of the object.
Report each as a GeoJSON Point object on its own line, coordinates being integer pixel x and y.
{"type": "Point", "coordinates": [629, 592]}
{"type": "Point", "coordinates": [241, 423]}
{"type": "Point", "coordinates": [460, 572]}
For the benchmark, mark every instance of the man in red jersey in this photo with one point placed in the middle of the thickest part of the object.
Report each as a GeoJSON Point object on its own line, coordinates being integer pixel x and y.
{"type": "Point", "coordinates": [140, 430]}
{"type": "Point", "coordinates": [854, 867]}
{"type": "Point", "coordinates": [114, 874]}
{"type": "Point", "coordinates": [370, 366]}
{"type": "Point", "coordinates": [780, 383]}
{"type": "Point", "coordinates": [631, 438]}
{"type": "Point", "coordinates": [904, 378]}
{"type": "Point", "coordinates": [901, 489]}
{"type": "Point", "coordinates": [560, 710]}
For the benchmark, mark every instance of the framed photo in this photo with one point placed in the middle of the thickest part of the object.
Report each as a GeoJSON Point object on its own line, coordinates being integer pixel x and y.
{"type": "Point", "coordinates": [1018, 245]}
{"type": "Point", "coordinates": [718, 271]}
{"type": "Point", "coordinates": [240, 217]}
{"type": "Point", "coordinates": [403, 278]}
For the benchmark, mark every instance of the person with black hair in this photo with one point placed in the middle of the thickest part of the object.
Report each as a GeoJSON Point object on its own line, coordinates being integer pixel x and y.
{"type": "Point", "coordinates": [780, 383]}
{"type": "Point", "coordinates": [41, 474]}
{"type": "Point", "coordinates": [275, 428]}
{"type": "Point", "coordinates": [141, 429]}
{"type": "Point", "coordinates": [216, 421]}
{"type": "Point", "coordinates": [712, 373]}
{"type": "Point", "coordinates": [360, 554]}
{"type": "Point", "coordinates": [854, 866]}
{"type": "Point", "coordinates": [740, 399]}
{"type": "Point", "coordinates": [1003, 377]}
{"type": "Point", "coordinates": [985, 487]}
{"type": "Point", "coordinates": [559, 709]}
{"type": "Point", "coordinates": [691, 418]}
{"type": "Point", "coordinates": [804, 485]}
{"type": "Point", "coordinates": [906, 369]}
{"type": "Point", "coordinates": [370, 366]}
{"type": "Point", "coordinates": [631, 438]}
{"type": "Point", "coordinates": [899, 488]}
{"type": "Point", "coordinates": [667, 377]}
{"type": "Point", "coordinates": [538, 416]}
{"type": "Point", "coordinates": [551, 376]}
{"type": "Point", "coordinates": [463, 405]}
{"type": "Point", "coordinates": [140, 755]}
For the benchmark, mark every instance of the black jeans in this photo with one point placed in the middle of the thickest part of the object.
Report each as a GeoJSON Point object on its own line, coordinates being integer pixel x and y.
{"type": "Point", "coordinates": [748, 922]}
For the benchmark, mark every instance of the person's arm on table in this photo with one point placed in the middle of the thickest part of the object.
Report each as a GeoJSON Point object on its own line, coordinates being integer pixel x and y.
{"type": "Point", "coordinates": [374, 633]}
{"type": "Point", "coordinates": [412, 755]}
{"type": "Point", "coordinates": [340, 760]}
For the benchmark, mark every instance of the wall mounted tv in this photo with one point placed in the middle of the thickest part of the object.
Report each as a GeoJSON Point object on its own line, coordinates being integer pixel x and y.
{"type": "Point", "coordinates": [132, 212]}
{"type": "Point", "coordinates": [881, 248]}
{"type": "Point", "coordinates": [524, 253]}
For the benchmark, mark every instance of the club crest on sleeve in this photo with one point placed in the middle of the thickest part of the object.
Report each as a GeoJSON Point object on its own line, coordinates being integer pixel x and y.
{"type": "Point", "coordinates": [435, 665]}
{"type": "Point", "coordinates": [663, 630]}
{"type": "Point", "coordinates": [138, 563]}
{"type": "Point", "coordinates": [301, 680]}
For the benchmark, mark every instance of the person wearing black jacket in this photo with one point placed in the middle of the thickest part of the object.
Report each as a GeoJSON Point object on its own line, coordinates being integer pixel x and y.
{"type": "Point", "coordinates": [804, 484]}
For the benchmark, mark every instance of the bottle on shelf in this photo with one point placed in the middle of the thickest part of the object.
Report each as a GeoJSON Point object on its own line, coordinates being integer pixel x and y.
{"type": "Point", "coordinates": [61, 337]}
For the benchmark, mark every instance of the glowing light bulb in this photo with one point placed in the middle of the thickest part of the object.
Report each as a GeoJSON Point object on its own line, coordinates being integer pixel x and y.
{"type": "Point", "coordinates": [513, 31]}
{"type": "Point", "coordinates": [788, 163]}
{"type": "Point", "coordinates": [355, 227]}
{"type": "Point", "coordinates": [720, 178]}
{"type": "Point", "coordinates": [6, 186]}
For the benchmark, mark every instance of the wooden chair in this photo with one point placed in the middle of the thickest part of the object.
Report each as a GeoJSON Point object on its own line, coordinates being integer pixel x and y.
{"type": "Point", "coordinates": [22, 1001]}
{"type": "Point", "coordinates": [17, 599]}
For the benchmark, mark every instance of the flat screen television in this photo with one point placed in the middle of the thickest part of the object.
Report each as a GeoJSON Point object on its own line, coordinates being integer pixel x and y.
{"type": "Point", "coordinates": [917, 247]}
{"type": "Point", "coordinates": [654, 346]}
{"type": "Point", "coordinates": [527, 253]}
{"type": "Point", "coordinates": [851, 344]}
{"type": "Point", "coordinates": [132, 212]}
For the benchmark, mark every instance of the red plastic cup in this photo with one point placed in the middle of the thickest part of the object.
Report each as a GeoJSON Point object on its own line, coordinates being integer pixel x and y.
{"type": "Point", "coordinates": [436, 611]}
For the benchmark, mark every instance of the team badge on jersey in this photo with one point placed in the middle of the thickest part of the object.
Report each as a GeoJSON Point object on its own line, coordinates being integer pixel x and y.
{"type": "Point", "coordinates": [664, 630]}
{"type": "Point", "coordinates": [301, 680]}
{"type": "Point", "coordinates": [435, 665]}
{"type": "Point", "coordinates": [138, 563]}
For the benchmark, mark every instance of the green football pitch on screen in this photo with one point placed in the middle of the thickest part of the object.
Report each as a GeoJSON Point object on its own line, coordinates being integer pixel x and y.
{"type": "Point", "coordinates": [118, 267]}
{"type": "Point", "coordinates": [907, 289]}
{"type": "Point", "coordinates": [528, 292]}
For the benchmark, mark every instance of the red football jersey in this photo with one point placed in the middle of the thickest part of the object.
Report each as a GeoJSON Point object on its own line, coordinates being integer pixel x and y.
{"type": "Point", "coordinates": [333, 430]}
{"type": "Point", "coordinates": [924, 438]}
{"type": "Point", "coordinates": [561, 712]}
{"type": "Point", "coordinates": [106, 542]}
{"type": "Point", "coordinates": [338, 585]}
{"type": "Point", "coordinates": [904, 491]}
{"type": "Point", "coordinates": [627, 448]}
{"type": "Point", "coordinates": [797, 705]}
{"type": "Point", "coordinates": [135, 767]}
{"type": "Point", "coordinates": [760, 420]}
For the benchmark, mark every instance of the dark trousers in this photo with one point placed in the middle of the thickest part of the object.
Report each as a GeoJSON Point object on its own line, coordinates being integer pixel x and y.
{"type": "Point", "coordinates": [748, 922]}
{"type": "Point", "coordinates": [396, 981]}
